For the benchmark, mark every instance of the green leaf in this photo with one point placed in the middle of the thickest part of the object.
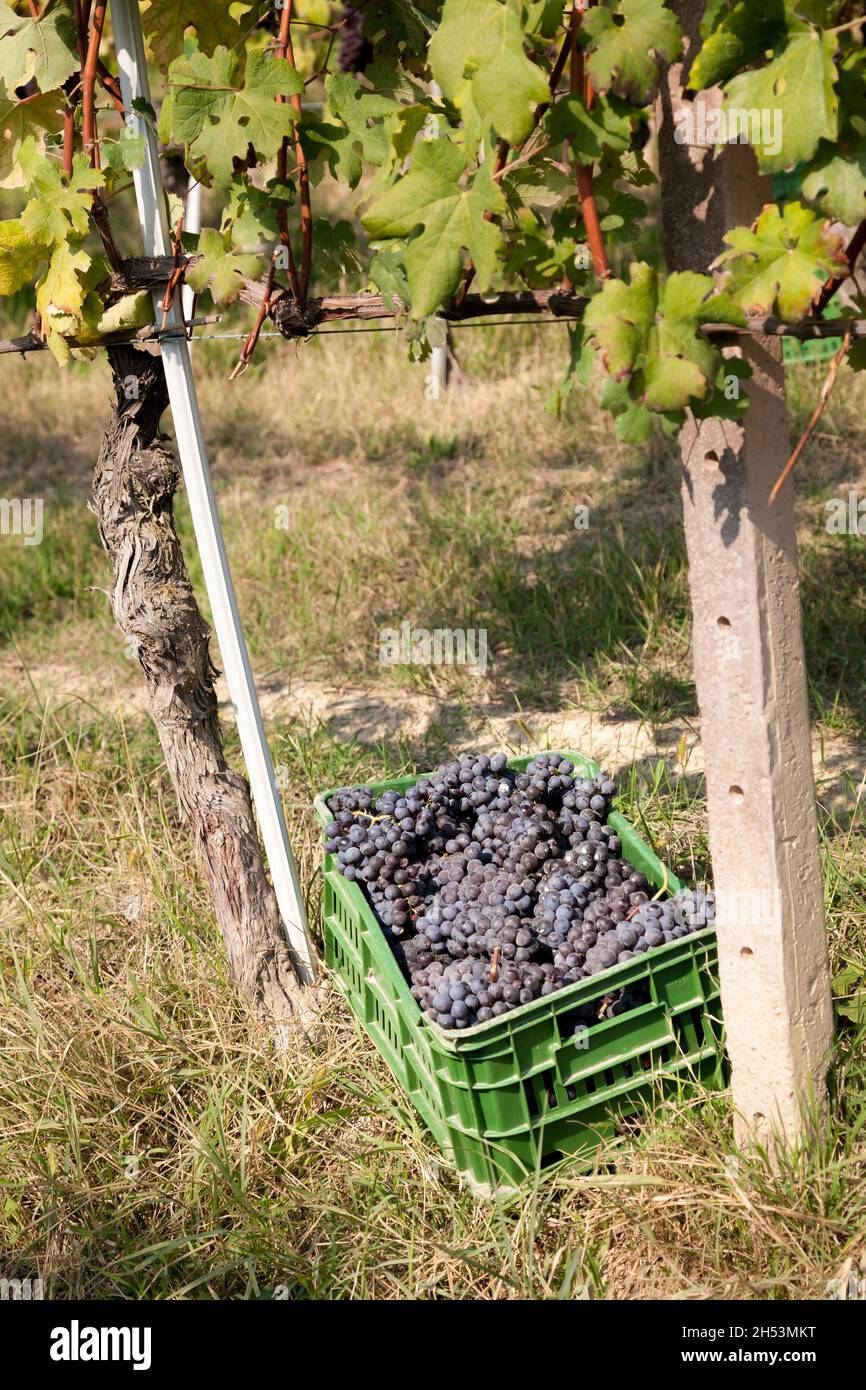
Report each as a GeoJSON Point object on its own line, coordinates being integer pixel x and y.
{"type": "Point", "coordinates": [627, 46]}
{"type": "Point", "coordinates": [221, 270]}
{"type": "Point", "coordinates": [131, 312]}
{"type": "Point", "coordinates": [58, 205]}
{"type": "Point", "coordinates": [219, 115]}
{"type": "Point", "coordinates": [166, 21]}
{"type": "Point", "coordinates": [336, 245]}
{"type": "Point", "coordinates": [781, 262]}
{"type": "Point", "coordinates": [355, 140]}
{"type": "Point", "coordinates": [20, 257]}
{"type": "Point", "coordinates": [589, 133]}
{"type": "Point", "coordinates": [647, 332]}
{"type": "Point", "coordinates": [388, 275]}
{"type": "Point", "coordinates": [744, 35]}
{"type": "Point", "coordinates": [799, 86]}
{"type": "Point", "coordinates": [836, 181]}
{"type": "Point", "coordinates": [452, 219]}
{"type": "Point", "coordinates": [42, 48]}
{"type": "Point", "coordinates": [253, 214]}
{"type": "Point", "coordinates": [20, 119]}
{"type": "Point", "coordinates": [126, 152]}
{"type": "Point", "coordinates": [477, 57]}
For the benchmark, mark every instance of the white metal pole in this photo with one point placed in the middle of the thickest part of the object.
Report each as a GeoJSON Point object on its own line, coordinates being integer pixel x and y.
{"type": "Point", "coordinates": [192, 224]}
{"type": "Point", "coordinates": [437, 380]}
{"type": "Point", "coordinates": [208, 532]}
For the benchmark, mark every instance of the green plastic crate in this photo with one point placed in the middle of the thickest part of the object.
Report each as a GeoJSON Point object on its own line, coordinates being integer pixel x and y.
{"type": "Point", "coordinates": [520, 1092]}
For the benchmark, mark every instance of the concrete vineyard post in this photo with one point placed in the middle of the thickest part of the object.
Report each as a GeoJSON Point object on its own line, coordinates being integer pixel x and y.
{"type": "Point", "coordinates": [751, 677]}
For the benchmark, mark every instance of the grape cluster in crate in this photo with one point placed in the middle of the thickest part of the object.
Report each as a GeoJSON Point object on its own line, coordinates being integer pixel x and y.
{"type": "Point", "coordinates": [495, 887]}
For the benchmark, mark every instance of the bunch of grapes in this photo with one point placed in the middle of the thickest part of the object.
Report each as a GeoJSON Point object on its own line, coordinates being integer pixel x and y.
{"type": "Point", "coordinates": [355, 51]}
{"type": "Point", "coordinates": [494, 888]}
{"type": "Point", "coordinates": [463, 993]}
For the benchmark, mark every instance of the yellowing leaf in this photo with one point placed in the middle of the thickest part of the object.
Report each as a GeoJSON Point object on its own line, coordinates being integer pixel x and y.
{"type": "Point", "coordinates": [20, 120]}
{"type": "Point", "coordinates": [781, 262]}
{"type": "Point", "coordinates": [166, 21]}
{"type": "Point", "coordinates": [20, 257]}
{"type": "Point", "coordinates": [60, 292]}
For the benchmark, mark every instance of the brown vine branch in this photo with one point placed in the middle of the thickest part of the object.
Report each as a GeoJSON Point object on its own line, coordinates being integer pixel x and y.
{"type": "Point", "coordinates": [252, 338]}
{"type": "Point", "coordinates": [589, 209]}
{"type": "Point", "coordinates": [88, 81]}
{"type": "Point", "coordinates": [829, 383]}
{"type": "Point", "coordinates": [177, 271]}
{"type": "Point", "coordinates": [301, 281]}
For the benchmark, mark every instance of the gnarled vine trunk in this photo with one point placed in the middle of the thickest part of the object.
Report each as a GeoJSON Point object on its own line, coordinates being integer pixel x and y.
{"type": "Point", "coordinates": [134, 485]}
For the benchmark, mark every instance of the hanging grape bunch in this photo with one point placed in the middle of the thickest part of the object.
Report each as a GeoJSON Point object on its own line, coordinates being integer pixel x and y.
{"type": "Point", "coordinates": [355, 50]}
{"type": "Point", "coordinates": [495, 887]}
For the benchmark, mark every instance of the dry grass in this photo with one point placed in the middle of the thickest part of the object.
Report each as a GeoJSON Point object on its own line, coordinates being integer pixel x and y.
{"type": "Point", "coordinates": [153, 1142]}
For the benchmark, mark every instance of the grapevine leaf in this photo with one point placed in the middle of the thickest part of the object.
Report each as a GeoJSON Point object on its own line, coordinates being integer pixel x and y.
{"type": "Point", "coordinates": [219, 115]}
{"type": "Point", "coordinates": [590, 133]}
{"type": "Point", "coordinates": [355, 139]}
{"type": "Point", "coordinates": [42, 48]}
{"type": "Point", "coordinates": [798, 84]}
{"type": "Point", "coordinates": [20, 119]}
{"type": "Point", "coordinates": [626, 47]}
{"type": "Point", "coordinates": [58, 205]}
{"type": "Point", "coordinates": [388, 275]}
{"type": "Point", "coordinates": [744, 35]}
{"type": "Point", "coordinates": [253, 214]}
{"type": "Point", "coordinates": [166, 21]}
{"type": "Point", "coordinates": [781, 261]}
{"type": "Point", "coordinates": [647, 331]}
{"type": "Point", "coordinates": [535, 256]}
{"type": "Point", "coordinates": [451, 218]}
{"type": "Point", "coordinates": [130, 312]}
{"type": "Point", "coordinates": [633, 422]}
{"type": "Point", "coordinates": [60, 293]}
{"type": "Point", "coordinates": [20, 257]}
{"type": "Point", "coordinates": [336, 248]}
{"type": "Point", "coordinates": [477, 56]}
{"type": "Point", "coordinates": [220, 269]}
{"type": "Point", "coordinates": [126, 152]}
{"type": "Point", "coordinates": [836, 181]}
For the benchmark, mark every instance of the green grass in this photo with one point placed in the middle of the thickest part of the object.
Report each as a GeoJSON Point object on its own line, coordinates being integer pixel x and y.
{"type": "Point", "coordinates": [153, 1143]}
